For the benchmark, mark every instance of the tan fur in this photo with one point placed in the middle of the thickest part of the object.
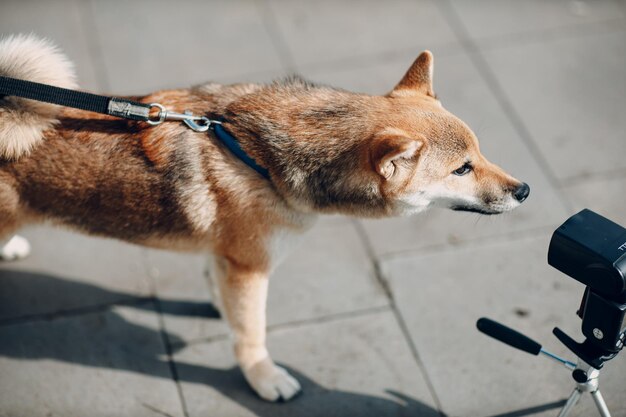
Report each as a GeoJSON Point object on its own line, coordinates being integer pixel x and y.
{"type": "Point", "coordinates": [22, 121]}
{"type": "Point", "coordinates": [327, 151]}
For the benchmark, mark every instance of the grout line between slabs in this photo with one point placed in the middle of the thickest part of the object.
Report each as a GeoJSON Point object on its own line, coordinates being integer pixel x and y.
{"type": "Point", "coordinates": [397, 314]}
{"type": "Point", "coordinates": [278, 40]}
{"type": "Point", "coordinates": [165, 339]}
{"type": "Point", "coordinates": [479, 60]}
{"type": "Point", "coordinates": [612, 174]}
{"type": "Point", "coordinates": [376, 58]}
{"type": "Point", "coordinates": [442, 248]}
{"type": "Point", "coordinates": [327, 319]}
{"type": "Point", "coordinates": [170, 358]}
{"type": "Point", "coordinates": [273, 328]}
{"type": "Point", "coordinates": [622, 4]}
{"type": "Point", "coordinates": [358, 61]}
{"type": "Point", "coordinates": [354, 62]}
{"type": "Point", "coordinates": [508, 40]}
{"type": "Point", "coordinates": [445, 49]}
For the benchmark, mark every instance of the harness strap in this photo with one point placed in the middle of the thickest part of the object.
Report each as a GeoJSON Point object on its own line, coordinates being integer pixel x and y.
{"type": "Point", "coordinates": [112, 106]}
{"type": "Point", "coordinates": [126, 109]}
{"type": "Point", "coordinates": [233, 145]}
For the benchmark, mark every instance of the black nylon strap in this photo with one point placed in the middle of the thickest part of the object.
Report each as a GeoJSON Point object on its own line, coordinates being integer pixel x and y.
{"type": "Point", "coordinates": [72, 98]}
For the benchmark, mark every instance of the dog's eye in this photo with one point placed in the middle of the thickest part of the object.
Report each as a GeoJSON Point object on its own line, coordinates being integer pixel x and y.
{"type": "Point", "coordinates": [465, 169]}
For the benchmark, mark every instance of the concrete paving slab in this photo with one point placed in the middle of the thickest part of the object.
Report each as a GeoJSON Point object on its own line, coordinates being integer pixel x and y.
{"type": "Point", "coordinates": [261, 77]}
{"type": "Point", "coordinates": [501, 19]}
{"type": "Point", "coordinates": [358, 366]}
{"type": "Point", "coordinates": [163, 44]}
{"type": "Point", "coordinates": [112, 362]}
{"type": "Point", "coordinates": [465, 94]}
{"type": "Point", "coordinates": [602, 195]}
{"type": "Point", "coordinates": [440, 297]}
{"type": "Point", "coordinates": [108, 363]}
{"type": "Point", "coordinates": [571, 100]}
{"type": "Point", "coordinates": [43, 18]}
{"type": "Point", "coordinates": [375, 75]}
{"type": "Point", "coordinates": [338, 31]}
{"type": "Point", "coordinates": [67, 271]}
{"type": "Point", "coordinates": [184, 295]}
{"type": "Point", "coordinates": [328, 273]}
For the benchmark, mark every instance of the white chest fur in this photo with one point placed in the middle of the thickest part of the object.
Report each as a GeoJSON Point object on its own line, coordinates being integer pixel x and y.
{"type": "Point", "coordinates": [283, 241]}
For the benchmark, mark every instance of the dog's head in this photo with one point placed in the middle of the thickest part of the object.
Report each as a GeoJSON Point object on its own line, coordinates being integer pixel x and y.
{"type": "Point", "coordinates": [334, 151]}
{"type": "Point", "coordinates": [425, 156]}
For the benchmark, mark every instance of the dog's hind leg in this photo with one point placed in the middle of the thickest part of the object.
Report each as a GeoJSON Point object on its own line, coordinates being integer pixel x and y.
{"type": "Point", "coordinates": [243, 294]}
{"type": "Point", "coordinates": [11, 247]}
{"type": "Point", "coordinates": [14, 248]}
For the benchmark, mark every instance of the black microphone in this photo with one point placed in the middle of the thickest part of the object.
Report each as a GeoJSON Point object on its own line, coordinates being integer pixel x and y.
{"type": "Point", "coordinates": [508, 336]}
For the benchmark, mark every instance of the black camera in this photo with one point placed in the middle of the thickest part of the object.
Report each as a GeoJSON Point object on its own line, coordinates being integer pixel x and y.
{"type": "Point", "coordinates": [592, 249]}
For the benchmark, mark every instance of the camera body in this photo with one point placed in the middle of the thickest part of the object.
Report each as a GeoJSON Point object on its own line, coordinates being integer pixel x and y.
{"type": "Point", "coordinates": [592, 249]}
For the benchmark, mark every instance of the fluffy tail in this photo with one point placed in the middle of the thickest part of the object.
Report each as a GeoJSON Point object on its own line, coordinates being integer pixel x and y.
{"type": "Point", "coordinates": [23, 121]}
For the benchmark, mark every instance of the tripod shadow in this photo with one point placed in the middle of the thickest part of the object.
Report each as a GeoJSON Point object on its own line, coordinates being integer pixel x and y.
{"type": "Point", "coordinates": [533, 410]}
{"type": "Point", "coordinates": [105, 338]}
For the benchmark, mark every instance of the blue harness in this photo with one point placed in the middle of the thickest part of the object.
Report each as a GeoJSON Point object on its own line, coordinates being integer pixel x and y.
{"type": "Point", "coordinates": [233, 145]}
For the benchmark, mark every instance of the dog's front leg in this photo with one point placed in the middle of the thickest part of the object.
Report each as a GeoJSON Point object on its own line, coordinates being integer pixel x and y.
{"type": "Point", "coordinates": [243, 297]}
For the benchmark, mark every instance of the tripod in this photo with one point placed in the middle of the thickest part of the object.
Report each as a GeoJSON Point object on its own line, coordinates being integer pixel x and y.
{"type": "Point", "coordinates": [592, 250]}
{"type": "Point", "coordinates": [586, 377]}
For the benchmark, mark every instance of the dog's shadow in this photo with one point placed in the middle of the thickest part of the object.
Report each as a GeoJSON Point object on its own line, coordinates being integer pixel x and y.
{"type": "Point", "coordinates": [114, 342]}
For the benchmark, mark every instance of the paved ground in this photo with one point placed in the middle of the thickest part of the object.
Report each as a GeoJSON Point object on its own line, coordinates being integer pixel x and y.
{"type": "Point", "coordinates": [376, 318]}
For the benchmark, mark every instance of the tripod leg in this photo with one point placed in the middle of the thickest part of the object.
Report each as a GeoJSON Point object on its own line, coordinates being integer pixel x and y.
{"type": "Point", "coordinates": [571, 402]}
{"type": "Point", "coordinates": [602, 408]}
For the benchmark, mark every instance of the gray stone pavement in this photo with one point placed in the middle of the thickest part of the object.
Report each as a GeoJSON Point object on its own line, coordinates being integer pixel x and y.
{"type": "Point", "coordinates": [375, 318]}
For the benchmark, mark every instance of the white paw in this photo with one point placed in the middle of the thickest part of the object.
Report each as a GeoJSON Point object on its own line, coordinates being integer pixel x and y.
{"type": "Point", "coordinates": [271, 382]}
{"type": "Point", "coordinates": [16, 248]}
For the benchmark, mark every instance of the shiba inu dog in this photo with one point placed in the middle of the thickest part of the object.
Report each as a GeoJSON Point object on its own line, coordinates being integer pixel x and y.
{"type": "Point", "coordinates": [326, 151]}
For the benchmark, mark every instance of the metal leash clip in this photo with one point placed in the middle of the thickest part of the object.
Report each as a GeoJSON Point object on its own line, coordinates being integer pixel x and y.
{"type": "Point", "coordinates": [195, 123]}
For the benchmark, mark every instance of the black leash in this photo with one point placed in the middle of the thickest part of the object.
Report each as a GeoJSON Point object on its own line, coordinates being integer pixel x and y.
{"type": "Point", "coordinates": [123, 108]}
{"type": "Point", "coordinates": [112, 106]}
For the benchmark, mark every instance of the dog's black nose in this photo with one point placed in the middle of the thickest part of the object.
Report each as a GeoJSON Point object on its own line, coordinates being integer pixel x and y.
{"type": "Point", "coordinates": [521, 192]}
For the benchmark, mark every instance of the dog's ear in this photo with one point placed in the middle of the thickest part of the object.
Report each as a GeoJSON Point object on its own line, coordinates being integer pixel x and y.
{"type": "Point", "coordinates": [391, 151]}
{"type": "Point", "coordinates": [419, 78]}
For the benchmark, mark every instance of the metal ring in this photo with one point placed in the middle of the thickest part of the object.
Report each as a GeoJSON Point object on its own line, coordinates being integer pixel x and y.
{"type": "Point", "coordinates": [162, 114]}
